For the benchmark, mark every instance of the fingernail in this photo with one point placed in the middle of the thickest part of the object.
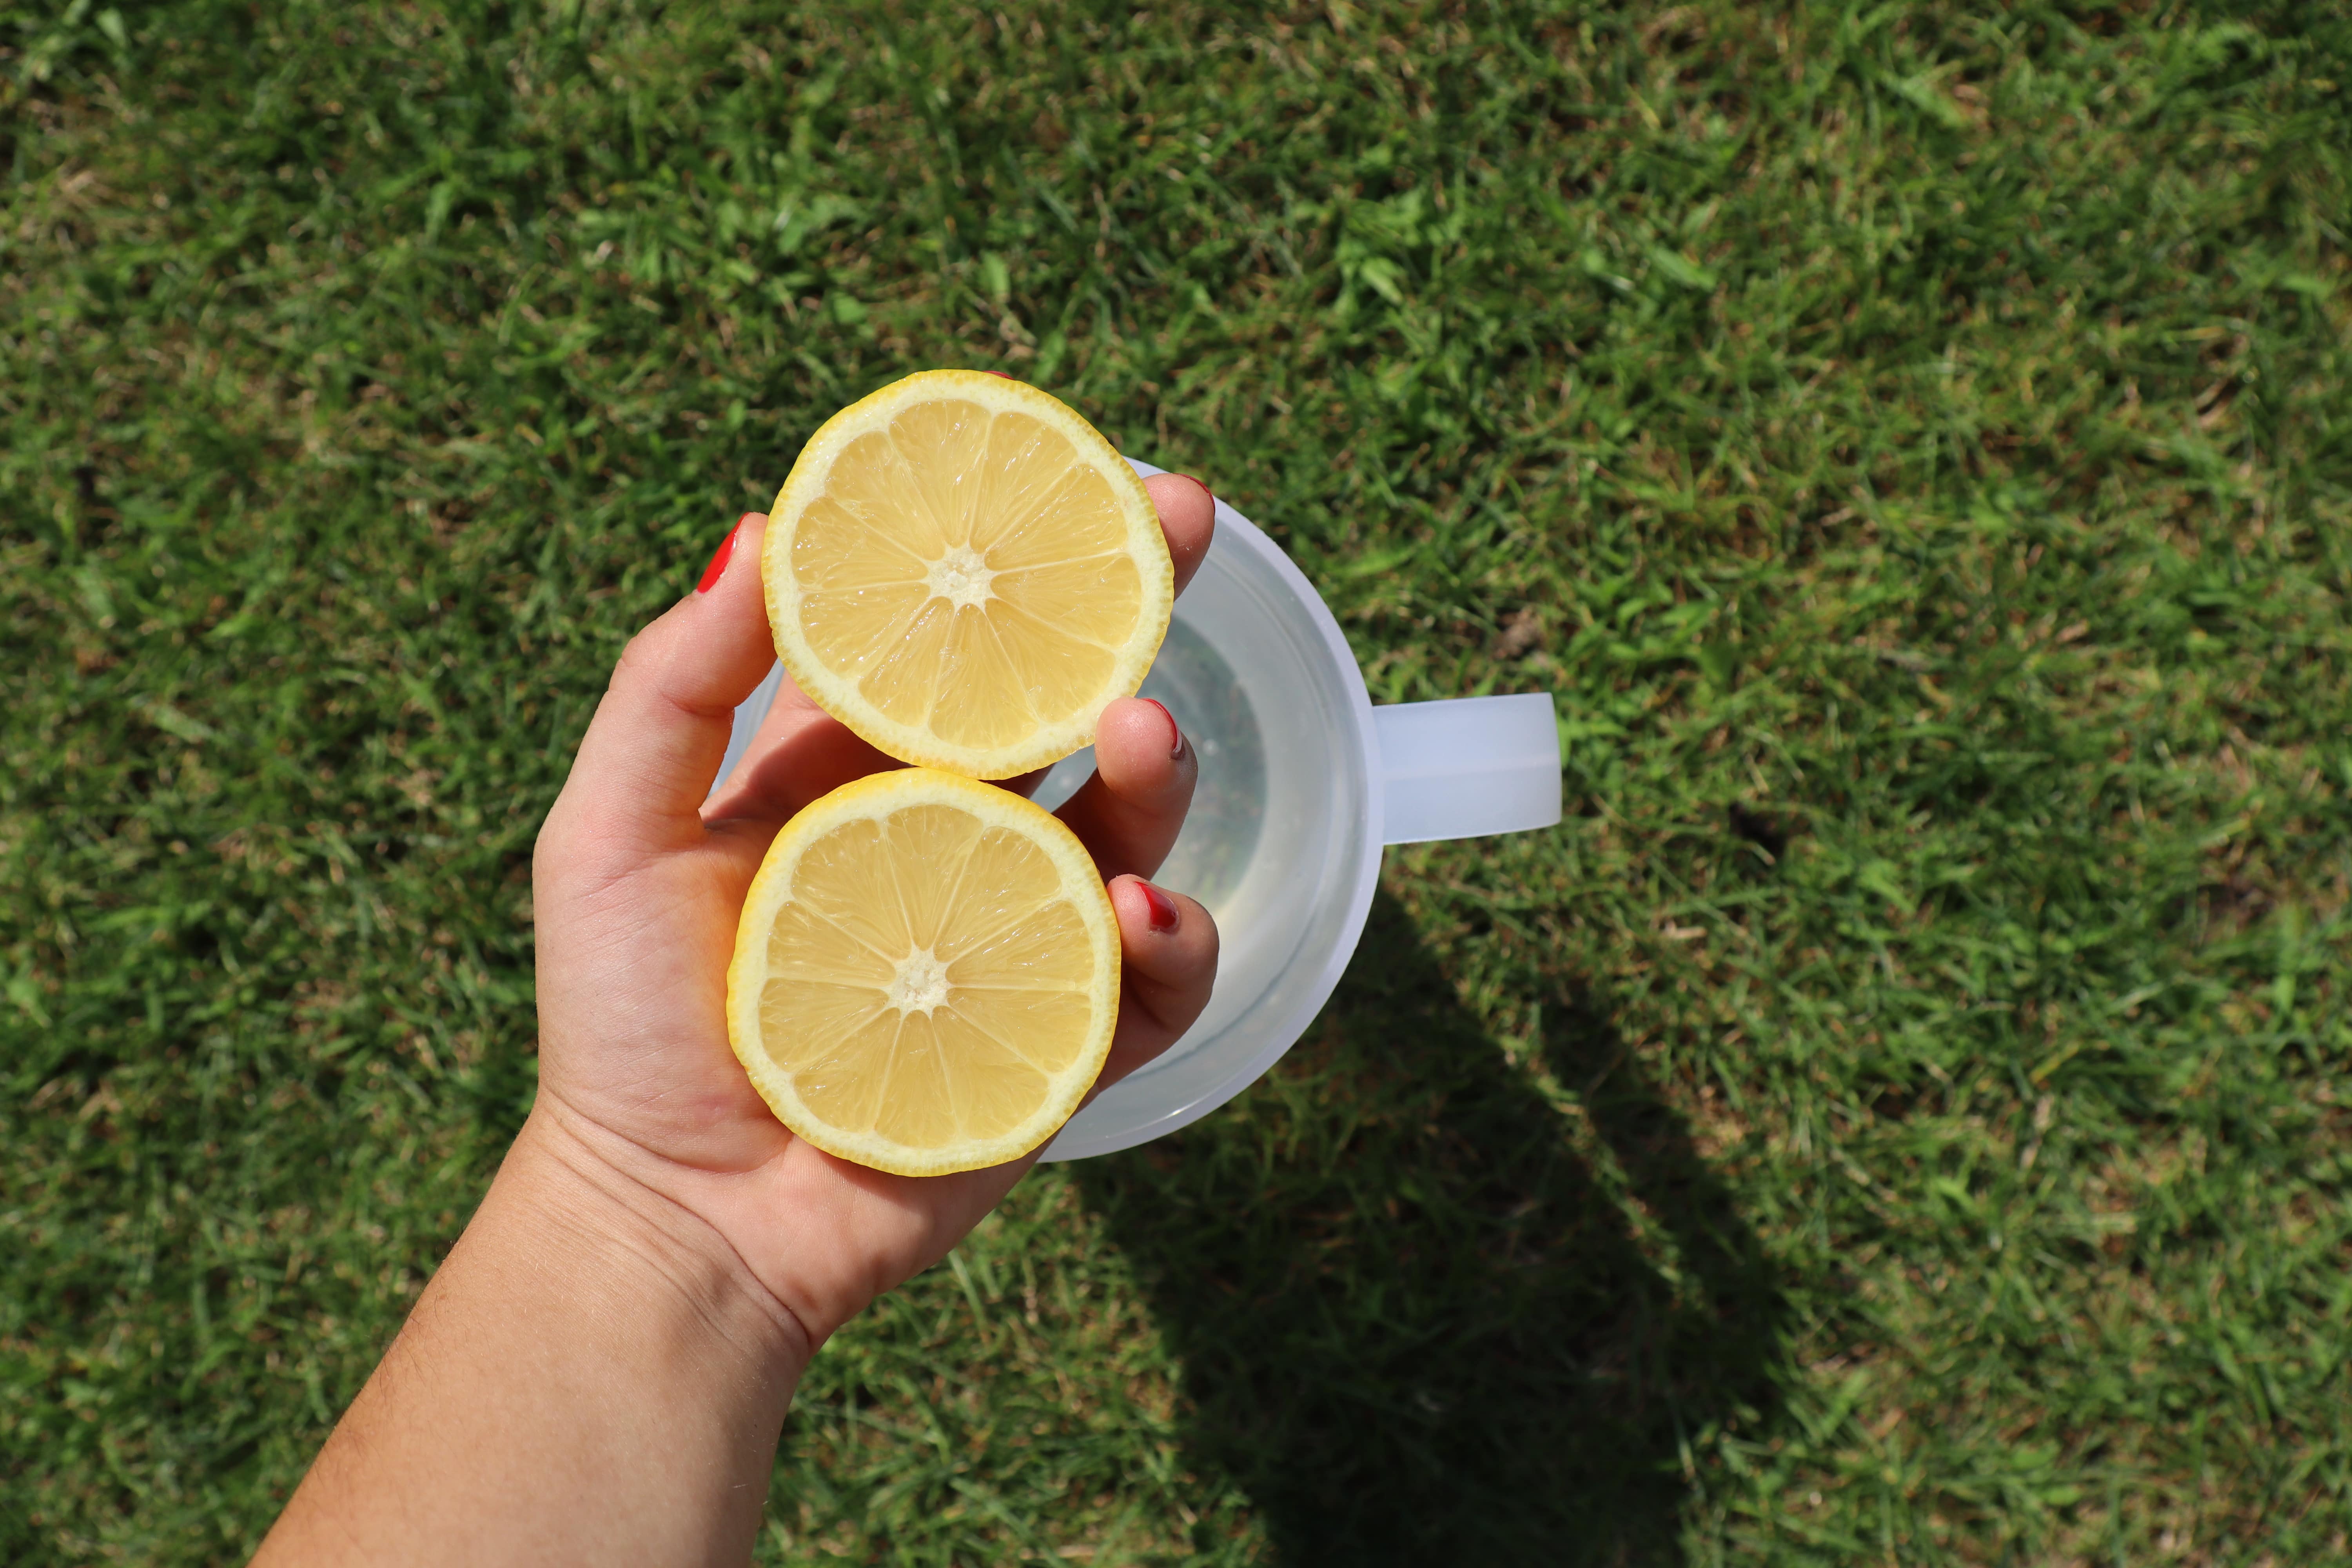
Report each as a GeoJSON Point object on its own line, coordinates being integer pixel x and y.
{"type": "Point", "coordinates": [998, 374]}
{"type": "Point", "coordinates": [718, 567]}
{"type": "Point", "coordinates": [1164, 914]}
{"type": "Point", "coordinates": [1175, 735]}
{"type": "Point", "coordinates": [1204, 489]}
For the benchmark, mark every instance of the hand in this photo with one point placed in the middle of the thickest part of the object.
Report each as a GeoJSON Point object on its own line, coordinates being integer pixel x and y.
{"type": "Point", "coordinates": [638, 883]}
{"type": "Point", "coordinates": [598, 1371]}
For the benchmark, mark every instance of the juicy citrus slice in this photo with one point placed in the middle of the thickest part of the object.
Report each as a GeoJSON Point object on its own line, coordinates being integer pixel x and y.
{"type": "Point", "coordinates": [926, 975]}
{"type": "Point", "coordinates": [961, 569]}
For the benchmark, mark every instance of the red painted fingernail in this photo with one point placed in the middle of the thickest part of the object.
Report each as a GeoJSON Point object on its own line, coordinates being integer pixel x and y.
{"type": "Point", "coordinates": [718, 567]}
{"type": "Point", "coordinates": [1175, 735]}
{"type": "Point", "coordinates": [1000, 374]}
{"type": "Point", "coordinates": [1204, 489]}
{"type": "Point", "coordinates": [1164, 914]}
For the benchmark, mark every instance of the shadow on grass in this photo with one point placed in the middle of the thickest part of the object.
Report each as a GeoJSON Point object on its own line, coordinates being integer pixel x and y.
{"type": "Point", "coordinates": [1413, 1323]}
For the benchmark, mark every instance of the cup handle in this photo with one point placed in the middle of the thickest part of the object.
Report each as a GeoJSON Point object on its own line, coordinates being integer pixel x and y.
{"type": "Point", "coordinates": [1468, 768]}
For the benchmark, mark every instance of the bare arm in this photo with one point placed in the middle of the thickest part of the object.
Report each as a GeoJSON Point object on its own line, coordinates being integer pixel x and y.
{"type": "Point", "coordinates": [600, 1370]}
{"type": "Point", "coordinates": [593, 1376]}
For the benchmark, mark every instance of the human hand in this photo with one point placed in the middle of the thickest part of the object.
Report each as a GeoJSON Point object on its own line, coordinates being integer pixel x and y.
{"type": "Point", "coordinates": [637, 887]}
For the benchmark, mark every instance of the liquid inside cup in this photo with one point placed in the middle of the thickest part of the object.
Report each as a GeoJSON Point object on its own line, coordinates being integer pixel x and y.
{"type": "Point", "coordinates": [1212, 857]}
{"type": "Point", "coordinates": [1279, 845]}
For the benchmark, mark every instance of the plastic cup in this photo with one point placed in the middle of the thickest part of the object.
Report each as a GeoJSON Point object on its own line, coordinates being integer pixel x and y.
{"type": "Point", "coordinates": [1302, 781]}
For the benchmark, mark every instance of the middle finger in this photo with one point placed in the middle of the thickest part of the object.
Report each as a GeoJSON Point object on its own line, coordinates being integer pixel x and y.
{"type": "Point", "coordinates": [1129, 814]}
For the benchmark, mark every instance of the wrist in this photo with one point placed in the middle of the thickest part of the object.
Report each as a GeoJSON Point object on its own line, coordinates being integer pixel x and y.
{"type": "Point", "coordinates": [591, 1376]}
{"type": "Point", "coordinates": [595, 1205]}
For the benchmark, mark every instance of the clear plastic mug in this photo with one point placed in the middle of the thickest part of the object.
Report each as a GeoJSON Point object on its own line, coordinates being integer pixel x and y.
{"type": "Point", "coordinates": [1302, 781]}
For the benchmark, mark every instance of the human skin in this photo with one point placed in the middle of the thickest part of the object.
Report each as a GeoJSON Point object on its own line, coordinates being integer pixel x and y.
{"type": "Point", "coordinates": [599, 1371]}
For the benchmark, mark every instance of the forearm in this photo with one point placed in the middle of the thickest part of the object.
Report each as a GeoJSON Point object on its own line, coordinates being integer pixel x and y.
{"type": "Point", "coordinates": [591, 1377]}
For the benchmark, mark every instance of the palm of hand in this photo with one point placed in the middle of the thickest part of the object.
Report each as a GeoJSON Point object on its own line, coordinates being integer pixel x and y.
{"type": "Point", "coordinates": [639, 885]}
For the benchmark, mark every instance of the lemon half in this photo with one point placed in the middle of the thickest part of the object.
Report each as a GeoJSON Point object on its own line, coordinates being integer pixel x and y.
{"type": "Point", "coordinates": [926, 975]}
{"type": "Point", "coordinates": [962, 569]}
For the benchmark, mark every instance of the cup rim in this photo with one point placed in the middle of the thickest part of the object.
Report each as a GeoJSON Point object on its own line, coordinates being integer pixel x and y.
{"type": "Point", "coordinates": [1238, 532]}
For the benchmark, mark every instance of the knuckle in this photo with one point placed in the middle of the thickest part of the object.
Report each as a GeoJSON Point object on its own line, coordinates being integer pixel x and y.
{"type": "Point", "coordinates": [637, 658]}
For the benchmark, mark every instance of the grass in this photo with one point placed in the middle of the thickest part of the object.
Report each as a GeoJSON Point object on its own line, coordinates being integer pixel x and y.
{"type": "Point", "coordinates": [1893, 1118]}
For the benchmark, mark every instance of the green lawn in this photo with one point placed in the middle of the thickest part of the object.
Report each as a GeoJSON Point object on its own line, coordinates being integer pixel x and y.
{"type": "Point", "coordinates": [1894, 1119]}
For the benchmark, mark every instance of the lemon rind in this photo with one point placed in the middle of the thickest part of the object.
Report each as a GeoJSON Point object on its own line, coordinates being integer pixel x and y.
{"type": "Point", "coordinates": [840, 696]}
{"type": "Point", "coordinates": [879, 796]}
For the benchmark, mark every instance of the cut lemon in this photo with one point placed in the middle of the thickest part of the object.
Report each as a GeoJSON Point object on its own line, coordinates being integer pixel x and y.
{"type": "Point", "coordinates": [926, 975]}
{"type": "Point", "coordinates": [961, 569]}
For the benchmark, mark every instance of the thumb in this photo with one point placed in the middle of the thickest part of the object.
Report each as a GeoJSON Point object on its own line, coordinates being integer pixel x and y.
{"type": "Point", "coordinates": [659, 733]}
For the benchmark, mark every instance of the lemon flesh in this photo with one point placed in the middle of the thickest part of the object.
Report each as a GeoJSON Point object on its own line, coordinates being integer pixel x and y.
{"type": "Point", "coordinates": [926, 975]}
{"type": "Point", "coordinates": [962, 569]}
